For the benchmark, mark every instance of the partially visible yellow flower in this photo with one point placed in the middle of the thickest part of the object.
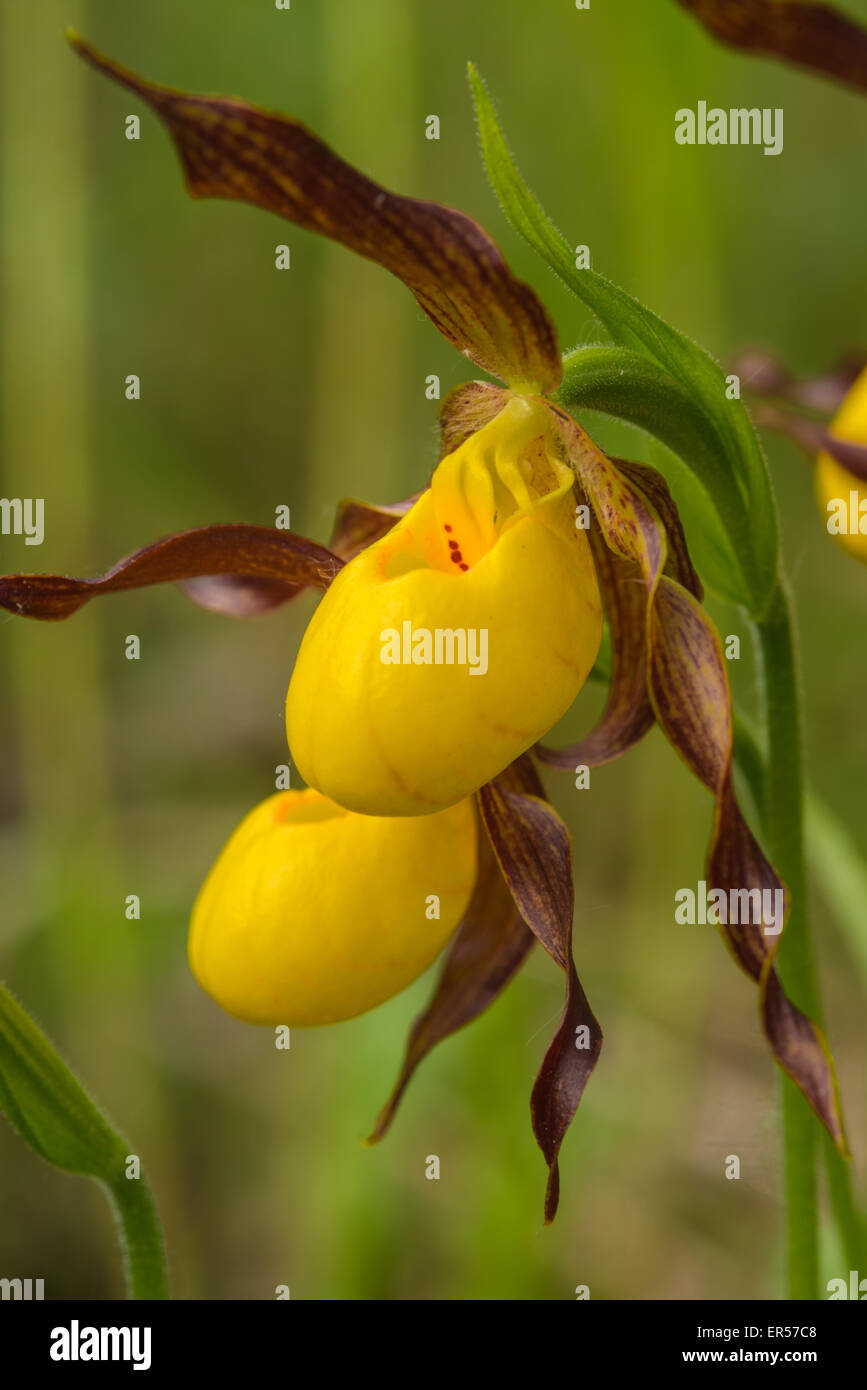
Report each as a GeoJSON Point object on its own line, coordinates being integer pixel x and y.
{"type": "Point", "coordinates": [446, 649]}
{"type": "Point", "coordinates": [841, 495]}
{"type": "Point", "coordinates": [312, 915]}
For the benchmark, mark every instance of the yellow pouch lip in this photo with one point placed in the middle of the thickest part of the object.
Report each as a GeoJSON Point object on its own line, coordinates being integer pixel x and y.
{"type": "Point", "coordinates": [466, 483]}
{"type": "Point", "coordinates": [379, 563]}
{"type": "Point", "coordinates": [850, 422]}
{"type": "Point", "coordinates": [306, 806]}
{"type": "Point", "coordinates": [832, 480]}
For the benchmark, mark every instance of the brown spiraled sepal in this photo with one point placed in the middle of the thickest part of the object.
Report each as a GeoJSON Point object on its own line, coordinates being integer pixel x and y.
{"type": "Point", "coordinates": [534, 850]}
{"type": "Point", "coordinates": [249, 569]}
{"type": "Point", "coordinates": [232, 149]}
{"type": "Point", "coordinates": [690, 691]}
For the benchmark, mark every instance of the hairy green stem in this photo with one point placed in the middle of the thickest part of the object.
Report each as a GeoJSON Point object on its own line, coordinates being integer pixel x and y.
{"type": "Point", "coordinates": [141, 1238]}
{"type": "Point", "coordinates": [783, 811]}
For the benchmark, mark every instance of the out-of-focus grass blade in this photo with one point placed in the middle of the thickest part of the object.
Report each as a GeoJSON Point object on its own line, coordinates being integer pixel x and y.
{"type": "Point", "coordinates": [841, 872]}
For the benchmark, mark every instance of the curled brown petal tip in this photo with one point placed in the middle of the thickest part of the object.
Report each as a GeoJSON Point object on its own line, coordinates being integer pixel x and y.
{"type": "Point", "coordinates": [534, 850]}
{"type": "Point", "coordinates": [232, 149]}
{"type": "Point", "coordinates": [265, 567]}
{"type": "Point", "coordinates": [690, 692]}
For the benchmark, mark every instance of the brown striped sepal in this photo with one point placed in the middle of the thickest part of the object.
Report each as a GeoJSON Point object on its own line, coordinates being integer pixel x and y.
{"type": "Point", "coordinates": [231, 149]}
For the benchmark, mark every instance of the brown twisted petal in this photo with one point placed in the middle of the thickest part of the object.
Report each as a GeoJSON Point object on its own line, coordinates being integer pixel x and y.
{"type": "Point", "coordinates": [628, 713]}
{"type": "Point", "coordinates": [534, 850]}
{"type": "Point", "coordinates": [629, 523]}
{"type": "Point", "coordinates": [230, 149]}
{"type": "Point", "coordinates": [651, 532]}
{"type": "Point", "coordinates": [265, 567]}
{"type": "Point", "coordinates": [827, 391]}
{"type": "Point", "coordinates": [492, 943]}
{"type": "Point", "coordinates": [813, 437]}
{"type": "Point", "coordinates": [652, 485]}
{"type": "Point", "coordinates": [812, 36]}
{"type": "Point", "coordinates": [690, 692]}
{"type": "Point", "coordinates": [763, 374]}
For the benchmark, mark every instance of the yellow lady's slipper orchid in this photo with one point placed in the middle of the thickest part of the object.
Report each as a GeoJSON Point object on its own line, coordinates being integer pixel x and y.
{"type": "Point", "coordinates": [312, 915]}
{"type": "Point", "coordinates": [446, 649]}
{"type": "Point", "coordinates": [446, 644]}
{"type": "Point", "coordinates": [841, 495]}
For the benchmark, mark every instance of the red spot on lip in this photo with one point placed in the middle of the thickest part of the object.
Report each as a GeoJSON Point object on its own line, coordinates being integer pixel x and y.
{"type": "Point", "coordinates": [456, 557]}
{"type": "Point", "coordinates": [447, 528]}
{"type": "Point", "coordinates": [464, 567]}
{"type": "Point", "coordinates": [453, 545]}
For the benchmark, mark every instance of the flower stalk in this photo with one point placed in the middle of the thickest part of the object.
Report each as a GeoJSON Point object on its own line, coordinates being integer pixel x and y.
{"type": "Point", "coordinates": [783, 815]}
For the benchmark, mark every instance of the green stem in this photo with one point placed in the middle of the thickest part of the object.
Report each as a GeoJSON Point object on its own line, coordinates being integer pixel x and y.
{"type": "Point", "coordinates": [141, 1238]}
{"type": "Point", "coordinates": [783, 808]}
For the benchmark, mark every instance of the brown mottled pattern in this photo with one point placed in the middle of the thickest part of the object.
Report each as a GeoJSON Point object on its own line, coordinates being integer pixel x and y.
{"type": "Point", "coordinates": [230, 149]}
{"type": "Point", "coordinates": [639, 534]}
{"type": "Point", "coordinates": [636, 535]}
{"type": "Point", "coordinates": [277, 562]}
{"type": "Point", "coordinates": [491, 944]}
{"type": "Point", "coordinates": [629, 523]}
{"type": "Point", "coordinates": [812, 36]}
{"type": "Point", "coordinates": [535, 854]}
{"type": "Point", "coordinates": [654, 487]}
{"type": "Point", "coordinates": [690, 691]}
{"type": "Point", "coordinates": [466, 410]}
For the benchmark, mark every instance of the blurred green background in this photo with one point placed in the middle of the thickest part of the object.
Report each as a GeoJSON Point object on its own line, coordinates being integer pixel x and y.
{"type": "Point", "coordinates": [262, 388]}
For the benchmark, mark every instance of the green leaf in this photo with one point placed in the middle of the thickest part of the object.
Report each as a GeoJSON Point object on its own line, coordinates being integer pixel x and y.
{"type": "Point", "coordinates": [629, 386]}
{"type": "Point", "coordinates": [633, 326]}
{"type": "Point", "coordinates": [53, 1113]}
